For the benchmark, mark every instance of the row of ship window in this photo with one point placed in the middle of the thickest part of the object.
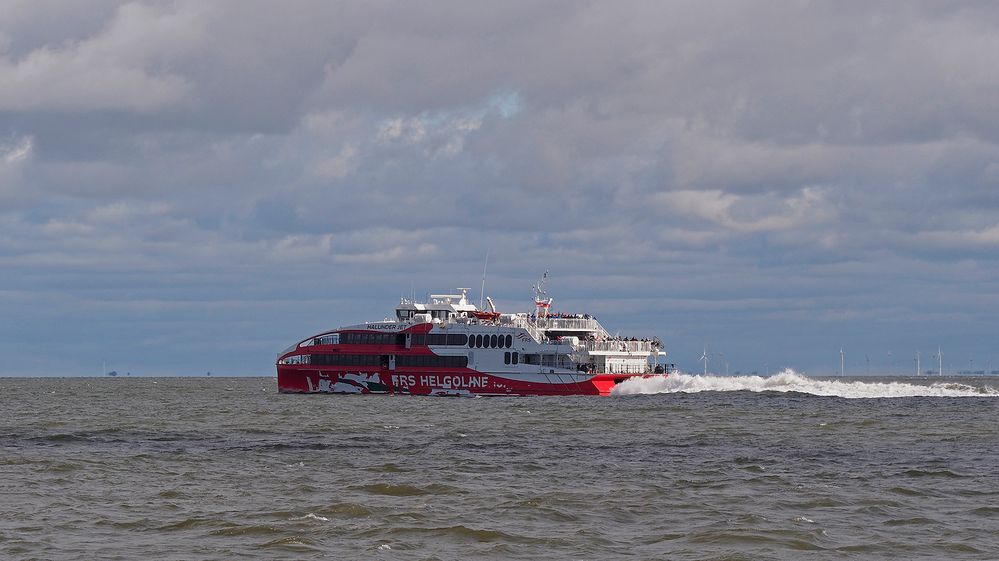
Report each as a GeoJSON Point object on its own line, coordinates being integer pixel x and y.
{"type": "Point", "coordinates": [490, 341]}
{"type": "Point", "coordinates": [445, 339]}
{"type": "Point", "coordinates": [427, 361]}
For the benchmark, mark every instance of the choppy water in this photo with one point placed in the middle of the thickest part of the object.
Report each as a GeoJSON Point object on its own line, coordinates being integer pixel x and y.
{"type": "Point", "coordinates": [712, 468]}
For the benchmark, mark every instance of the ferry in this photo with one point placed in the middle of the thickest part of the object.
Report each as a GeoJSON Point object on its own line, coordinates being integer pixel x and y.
{"type": "Point", "coordinates": [448, 346]}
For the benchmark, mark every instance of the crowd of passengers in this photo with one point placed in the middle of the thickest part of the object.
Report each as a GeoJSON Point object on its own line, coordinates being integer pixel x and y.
{"type": "Point", "coordinates": [534, 317]}
{"type": "Point", "coordinates": [590, 367]}
{"type": "Point", "coordinates": [592, 337]}
{"type": "Point", "coordinates": [646, 339]}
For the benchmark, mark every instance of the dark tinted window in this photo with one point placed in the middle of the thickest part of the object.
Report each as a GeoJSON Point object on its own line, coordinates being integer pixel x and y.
{"type": "Point", "coordinates": [509, 341]}
{"type": "Point", "coordinates": [346, 360]}
{"type": "Point", "coordinates": [431, 361]}
{"type": "Point", "coordinates": [492, 341]}
{"type": "Point", "coordinates": [363, 338]}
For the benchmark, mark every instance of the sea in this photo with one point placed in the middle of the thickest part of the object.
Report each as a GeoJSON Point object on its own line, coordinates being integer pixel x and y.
{"type": "Point", "coordinates": [687, 467]}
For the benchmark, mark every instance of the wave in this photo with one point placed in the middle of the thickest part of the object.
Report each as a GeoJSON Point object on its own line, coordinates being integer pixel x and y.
{"type": "Point", "coordinates": [790, 381]}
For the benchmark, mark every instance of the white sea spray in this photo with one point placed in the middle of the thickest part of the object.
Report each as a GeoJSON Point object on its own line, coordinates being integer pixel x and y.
{"type": "Point", "coordinates": [790, 381]}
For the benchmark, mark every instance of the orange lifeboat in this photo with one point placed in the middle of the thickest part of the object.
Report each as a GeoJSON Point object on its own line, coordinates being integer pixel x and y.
{"type": "Point", "coordinates": [487, 316]}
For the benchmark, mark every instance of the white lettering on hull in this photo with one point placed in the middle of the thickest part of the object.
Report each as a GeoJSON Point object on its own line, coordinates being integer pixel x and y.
{"type": "Point", "coordinates": [400, 381]}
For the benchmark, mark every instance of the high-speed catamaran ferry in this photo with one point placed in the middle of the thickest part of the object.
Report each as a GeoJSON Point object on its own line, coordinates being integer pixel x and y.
{"type": "Point", "coordinates": [447, 346]}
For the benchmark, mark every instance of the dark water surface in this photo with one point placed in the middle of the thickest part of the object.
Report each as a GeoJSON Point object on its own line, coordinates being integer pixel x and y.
{"type": "Point", "coordinates": [212, 468]}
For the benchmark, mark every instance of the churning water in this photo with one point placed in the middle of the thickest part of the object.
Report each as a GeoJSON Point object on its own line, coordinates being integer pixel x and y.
{"type": "Point", "coordinates": [790, 381]}
{"type": "Point", "coordinates": [686, 467]}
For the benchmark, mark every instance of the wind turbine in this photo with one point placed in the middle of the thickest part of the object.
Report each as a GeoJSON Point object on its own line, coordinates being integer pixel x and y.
{"type": "Point", "coordinates": [704, 357]}
{"type": "Point", "coordinates": [917, 364]}
{"type": "Point", "coordinates": [939, 361]}
{"type": "Point", "coordinates": [841, 361]}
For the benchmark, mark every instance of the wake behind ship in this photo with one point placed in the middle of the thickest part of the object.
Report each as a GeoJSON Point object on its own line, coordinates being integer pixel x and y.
{"type": "Point", "coordinates": [449, 347]}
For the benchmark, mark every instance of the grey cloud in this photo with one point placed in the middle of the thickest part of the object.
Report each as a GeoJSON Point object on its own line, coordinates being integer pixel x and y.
{"type": "Point", "coordinates": [702, 169]}
{"type": "Point", "coordinates": [62, 77]}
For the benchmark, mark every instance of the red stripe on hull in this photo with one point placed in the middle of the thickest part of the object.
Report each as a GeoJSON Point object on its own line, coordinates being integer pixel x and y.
{"type": "Point", "coordinates": [455, 381]}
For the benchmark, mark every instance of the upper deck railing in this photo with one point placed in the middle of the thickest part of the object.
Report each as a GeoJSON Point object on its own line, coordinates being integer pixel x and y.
{"type": "Point", "coordinates": [616, 345]}
{"type": "Point", "coordinates": [524, 322]}
{"type": "Point", "coordinates": [538, 326]}
{"type": "Point", "coordinates": [569, 324]}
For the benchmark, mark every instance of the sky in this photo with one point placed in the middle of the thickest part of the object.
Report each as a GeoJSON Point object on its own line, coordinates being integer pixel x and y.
{"type": "Point", "coordinates": [189, 187]}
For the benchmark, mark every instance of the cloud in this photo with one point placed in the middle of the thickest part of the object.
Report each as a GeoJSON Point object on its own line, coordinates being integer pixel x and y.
{"type": "Point", "coordinates": [409, 131]}
{"type": "Point", "coordinates": [18, 151]}
{"type": "Point", "coordinates": [678, 167]}
{"type": "Point", "coordinates": [750, 213]}
{"type": "Point", "coordinates": [339, 166]}
{"type": "Point", "coordinates": [15, 155]}
{"type": "Point", "coordinates": [985, 238]}
{"type": "Point", "coordinates": [115, 69]}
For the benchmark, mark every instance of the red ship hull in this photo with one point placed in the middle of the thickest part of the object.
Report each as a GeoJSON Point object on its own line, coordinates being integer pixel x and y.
{"type": "Point", "coordinates": [445, 382]}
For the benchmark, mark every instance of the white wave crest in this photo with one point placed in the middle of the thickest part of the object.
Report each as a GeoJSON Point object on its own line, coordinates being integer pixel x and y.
{"type": "Point", "coordinates": [312, 516]}
{"type": "Point", "coordinates": [790, 381]}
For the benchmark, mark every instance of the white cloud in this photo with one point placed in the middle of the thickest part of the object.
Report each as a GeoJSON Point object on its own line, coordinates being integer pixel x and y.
{"type": "Point", "coordinates": [124, 67]}
{"type": "Point", "coordinates": [117, 213]}
{"type": "Point", "coordinates": [959, 239]}
{"type": "Point", "coordinates": [14, 158]}
{"type": "Point", "coordinates": [16, 152]}
{"type": "Point", "coordinates": [388, 255]}
{"type": "Point", "coordinates": [749, 213]}
{"type": "Point", "coordinates": [339, 166]}
{"type": "Point", "coordinates": [409, 131]}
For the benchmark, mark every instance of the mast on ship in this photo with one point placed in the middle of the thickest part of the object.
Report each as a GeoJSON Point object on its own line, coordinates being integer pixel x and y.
{"type": "Point", "coordinates": [541, 305]}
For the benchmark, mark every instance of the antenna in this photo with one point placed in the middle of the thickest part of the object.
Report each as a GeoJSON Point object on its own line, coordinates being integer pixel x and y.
{"type": "Point", "coordinates": [542, 305]}
{"type": "Point", "coordinates": [482, 290]}
{"type": "Point", "coordinates": [704, 357]}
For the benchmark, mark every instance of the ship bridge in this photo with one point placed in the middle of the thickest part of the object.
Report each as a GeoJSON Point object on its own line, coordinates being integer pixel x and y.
{"type": "Point", "coordinates": [441, 307]}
